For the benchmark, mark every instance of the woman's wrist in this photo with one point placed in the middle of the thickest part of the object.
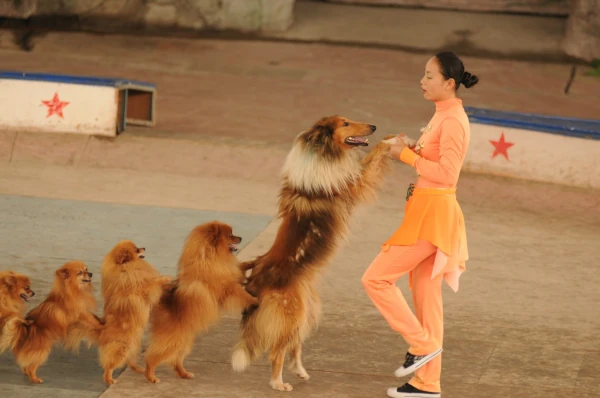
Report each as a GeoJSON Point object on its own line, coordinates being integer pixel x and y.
{"type": "Point", "coordinates": [408, 156]}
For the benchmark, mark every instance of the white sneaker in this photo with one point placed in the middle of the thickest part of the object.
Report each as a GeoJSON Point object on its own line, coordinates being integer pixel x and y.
{"type": "Point", "coordinates": [414, 362]}
{"type": "Point", "coordinates": [408, 391]}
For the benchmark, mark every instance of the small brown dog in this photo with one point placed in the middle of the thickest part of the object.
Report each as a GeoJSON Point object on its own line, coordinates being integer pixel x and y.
{"type": "Point", "coordinates": [14, 292]}
{"type": "Point", "coordinates": [70, 301]}
{"type": "Point", "coordinates": [209, 282]}
{"type": "Point", "coordinates": [131, 287]}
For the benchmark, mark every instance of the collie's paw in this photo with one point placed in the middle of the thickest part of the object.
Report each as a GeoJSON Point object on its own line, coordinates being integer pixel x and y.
{"type": "Point", "coordinates": [299, 371]}
{"type": "Point", "coordinates": [383, 146]}
{"type": "Point", "coordinates": [280, 386]}
{"type": "Point", "coordinates": [303, 375]}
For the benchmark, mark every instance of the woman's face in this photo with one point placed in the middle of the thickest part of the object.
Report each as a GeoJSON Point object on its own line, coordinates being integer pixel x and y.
{"type": "Point", "coordinates": [433, 85]}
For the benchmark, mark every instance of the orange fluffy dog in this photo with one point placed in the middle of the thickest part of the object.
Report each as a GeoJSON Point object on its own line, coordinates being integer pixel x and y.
{"type": "Point", "coordinates": [324, 179]}
{"type": "Point", "coordinates": [14, 292]}
{"type": "Point", "coordinates": [131, 287]}
{"type": "Point", "coordinates": [209, 281]}
{"type": "Point", "coordinates": [70, 301]}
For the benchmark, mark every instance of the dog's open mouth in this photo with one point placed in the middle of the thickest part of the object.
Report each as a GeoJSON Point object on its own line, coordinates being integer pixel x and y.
{"type": "Point", "coordinates": [86, 280]}
{"type": "Point", "coordinates": [141, 256]}
{"type": "Point", "coordinates": [233, 248]}
{"type": "Point", "coordinates": [357, 141]}
{"type": "Point", "coordinates": [24, 297]}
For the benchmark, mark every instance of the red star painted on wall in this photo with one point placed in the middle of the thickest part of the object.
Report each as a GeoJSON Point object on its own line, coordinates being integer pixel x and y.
{"type": "Point", "coordinates": [55, 106]}
{"type": "Point", "coordinates": [501, 147]}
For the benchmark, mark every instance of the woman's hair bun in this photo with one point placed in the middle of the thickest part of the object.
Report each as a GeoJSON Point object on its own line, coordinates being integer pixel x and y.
{"type": "Point", "coordinates": [469, 80]}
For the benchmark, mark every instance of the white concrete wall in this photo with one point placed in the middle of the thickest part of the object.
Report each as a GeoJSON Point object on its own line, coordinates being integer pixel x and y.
{"type": "Point", "coordinates": [534, 155]}
{"type": "Point", "coordinates": [90, 109]}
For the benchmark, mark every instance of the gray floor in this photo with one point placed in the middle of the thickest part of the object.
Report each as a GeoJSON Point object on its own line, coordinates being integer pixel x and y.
{"type": "Point", "coordinates": [39, 235]}
{"type": "Point", "coordinates": [524, 323]}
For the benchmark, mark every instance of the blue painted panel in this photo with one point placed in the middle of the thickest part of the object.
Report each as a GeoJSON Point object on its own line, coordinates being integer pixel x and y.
{"type": "Point", "coordinates": [86, 80]}
{"type": "Point", "coordinates": [573, 127]}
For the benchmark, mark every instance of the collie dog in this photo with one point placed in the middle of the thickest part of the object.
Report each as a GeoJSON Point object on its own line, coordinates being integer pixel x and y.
{"type": "Point", "coordinates": [324, 178]}
{"type": "Point", "coordinates": [209, 281]}
{"type": "Point", "coordinates": [70, 301]}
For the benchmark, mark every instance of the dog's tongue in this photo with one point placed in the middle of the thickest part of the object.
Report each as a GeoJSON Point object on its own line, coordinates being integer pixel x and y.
{"type": "Point", "coordinates": [357, 140]}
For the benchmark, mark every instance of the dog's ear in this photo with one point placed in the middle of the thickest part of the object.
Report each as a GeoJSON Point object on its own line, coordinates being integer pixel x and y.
{"type": "Point", "coordinates": [10, 281]}
{"type": "Point", "coordinates": [62, 273]}
{"type": "Point", "coordinates": [214, 234]}
{"type": "Point", "coordinates": [320, 132]}
{"type": "Point", "coordinates": [123, 255]}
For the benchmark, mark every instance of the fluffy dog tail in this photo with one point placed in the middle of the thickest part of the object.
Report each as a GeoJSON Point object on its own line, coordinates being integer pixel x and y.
{"type": "Point", "coordinates": [78, 333]}
{"type": "Point", "coordinates": [247, 349]}
{"type": "Point", "coordinates": [243, 355]}
{"type": "Point", "coordinates": [14, 331]}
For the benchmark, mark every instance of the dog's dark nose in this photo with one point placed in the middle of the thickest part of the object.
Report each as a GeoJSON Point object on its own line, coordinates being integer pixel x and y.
{"type": "Point", "coordinates": [373, 128]}
{"type": "Point", "coordinates": [90, 274]}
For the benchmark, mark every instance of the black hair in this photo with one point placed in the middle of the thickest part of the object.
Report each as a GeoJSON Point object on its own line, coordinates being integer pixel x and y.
{"type": "Point", "coordinates": [452, 67]}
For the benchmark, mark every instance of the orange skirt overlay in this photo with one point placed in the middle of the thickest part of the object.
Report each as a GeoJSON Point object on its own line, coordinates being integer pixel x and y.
{"type": "Point", "coordinates": [433, 214]}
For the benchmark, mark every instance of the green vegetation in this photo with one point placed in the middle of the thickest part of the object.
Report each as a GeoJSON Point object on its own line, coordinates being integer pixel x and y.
{"type": "Point", "coordinates": [595, 71]}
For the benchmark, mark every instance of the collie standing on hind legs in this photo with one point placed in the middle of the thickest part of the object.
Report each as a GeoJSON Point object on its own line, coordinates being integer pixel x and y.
{"type": "Point", "coordinates": [324, 178]}
{"type": "Point", "coordinates": [431, 243]}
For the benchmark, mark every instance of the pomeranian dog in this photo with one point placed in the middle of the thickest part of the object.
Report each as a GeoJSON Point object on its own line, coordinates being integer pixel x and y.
{"type": "Point", "coordinates": [209, 281]}
{"type": "Point", "coordinates": [324, 178]}
{"type": "Point", "coordinates": [15, 291]}
{"type": "Point", "coordinates": [131, 286]}
{"type": "Point", "coordinates": [71, 300]}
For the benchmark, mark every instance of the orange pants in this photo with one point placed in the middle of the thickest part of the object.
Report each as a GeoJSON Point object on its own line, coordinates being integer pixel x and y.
{"type": "Point", "coordinates": [424, 331]}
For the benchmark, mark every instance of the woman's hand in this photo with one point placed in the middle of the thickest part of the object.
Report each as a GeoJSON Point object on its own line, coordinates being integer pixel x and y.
{"type": "Point", "coordinates": [398, 146]}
